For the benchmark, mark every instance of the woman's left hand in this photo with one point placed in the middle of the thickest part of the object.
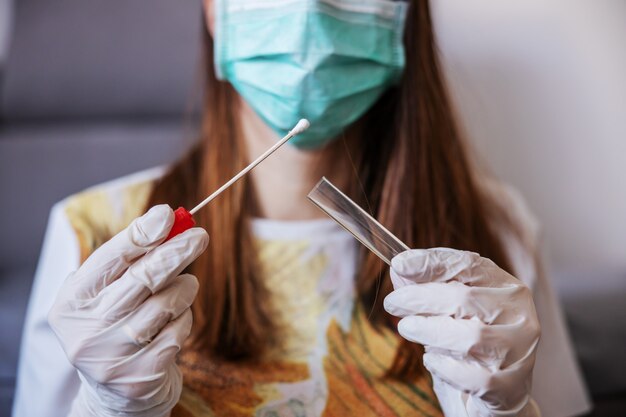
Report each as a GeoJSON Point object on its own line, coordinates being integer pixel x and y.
{"type": "Point", "coordinates": [478, 326]}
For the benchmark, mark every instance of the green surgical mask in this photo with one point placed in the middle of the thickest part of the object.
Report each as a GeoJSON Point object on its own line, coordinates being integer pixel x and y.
{"type": "Point", "coordinates": [327, 61]}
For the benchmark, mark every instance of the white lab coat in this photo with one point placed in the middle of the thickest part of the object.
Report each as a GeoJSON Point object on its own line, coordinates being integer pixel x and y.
{"type": "Point", "coordinates": [47, 383]}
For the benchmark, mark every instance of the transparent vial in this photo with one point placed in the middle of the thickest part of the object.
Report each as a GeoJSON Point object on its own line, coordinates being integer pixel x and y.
{"type": "Point", "coordinates": [355, 220]}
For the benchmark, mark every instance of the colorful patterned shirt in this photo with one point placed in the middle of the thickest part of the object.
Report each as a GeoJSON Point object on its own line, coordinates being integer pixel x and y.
{"type": "Point", "coordinates": [330, 360]}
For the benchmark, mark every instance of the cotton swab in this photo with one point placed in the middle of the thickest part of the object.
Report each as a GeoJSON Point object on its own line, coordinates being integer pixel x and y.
{"type": "Point", "coordinates": [183, 219]}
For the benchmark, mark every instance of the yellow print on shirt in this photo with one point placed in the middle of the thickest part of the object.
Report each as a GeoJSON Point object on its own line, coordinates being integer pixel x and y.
{"type": "Point", "coordinates": [320, 367]}
{"type": "Point", "coordinates": [341, 375]}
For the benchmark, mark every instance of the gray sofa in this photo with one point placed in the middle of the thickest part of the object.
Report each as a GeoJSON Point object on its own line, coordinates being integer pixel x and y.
{"type": "Point", "coordinates": [95, 90]}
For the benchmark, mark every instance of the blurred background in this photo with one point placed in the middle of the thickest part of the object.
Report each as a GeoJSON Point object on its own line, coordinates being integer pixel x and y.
{"type": "Point", "coordinates": [93, 90]}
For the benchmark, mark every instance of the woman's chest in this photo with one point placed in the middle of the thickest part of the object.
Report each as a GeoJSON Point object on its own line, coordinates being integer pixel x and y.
{"type": "Point", "coordinates": [347, 379]}
{"type": "Point", "coordinates": [328, 360]}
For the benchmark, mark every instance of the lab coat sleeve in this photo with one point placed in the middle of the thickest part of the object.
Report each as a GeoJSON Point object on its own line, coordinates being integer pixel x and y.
{"type": "Point", "coordinates": [558, 386]}
{"type": "Point", "coordinates": [46, 382]}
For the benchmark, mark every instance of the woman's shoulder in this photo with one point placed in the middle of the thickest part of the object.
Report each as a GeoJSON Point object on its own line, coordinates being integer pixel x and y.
{"type": "Point", "coordinates": [100, 211]}
{"type": "Point", "coordinates": [518, 227]}
{"type": "Point", "coordinates": [517, 210]}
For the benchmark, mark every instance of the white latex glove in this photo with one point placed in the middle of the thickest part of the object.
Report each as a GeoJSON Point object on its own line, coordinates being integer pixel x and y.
{"type": "Point", "coordinates": [478, 326]}
{"type": "Point", "coordinates": [123, 316]}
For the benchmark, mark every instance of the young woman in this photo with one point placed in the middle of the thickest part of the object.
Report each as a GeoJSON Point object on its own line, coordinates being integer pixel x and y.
{"type": "Point", "coordinates": [291, 317]}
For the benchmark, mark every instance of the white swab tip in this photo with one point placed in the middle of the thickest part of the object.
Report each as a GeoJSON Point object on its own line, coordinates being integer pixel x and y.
{"type": "Point", "coordinates": [302, 125]}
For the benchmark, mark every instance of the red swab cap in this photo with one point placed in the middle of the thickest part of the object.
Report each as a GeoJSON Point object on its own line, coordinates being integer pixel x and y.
{"type": "Point", "coordinates": [183, 220]}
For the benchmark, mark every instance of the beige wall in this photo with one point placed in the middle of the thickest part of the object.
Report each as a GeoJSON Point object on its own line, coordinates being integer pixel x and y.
{"type": "Point", "coordinates": [541, 88]}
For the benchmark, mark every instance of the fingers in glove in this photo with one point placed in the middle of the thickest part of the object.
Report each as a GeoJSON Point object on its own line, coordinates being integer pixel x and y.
{"type": "Point", "coordinates": [451, 400]}
{"type": "Point", "coordinates": [490, 305]}
{"type": "Point", "coordinates": [111, 259]}
{"type": "Point", "coordinates": [162, 351]}
{"type": "Point", "coordinates": [150, 274]}
{"type": "Point", "coordinates": [444, 333]}
{"type": "Point", "coordinates": [445, 264]}
{"type": "Point", "coordinates": [161, 308]}
{"type": "Point", "coordinates": [497, 345]}
{"type": "Point", "coordinates": [501, 390]}
{"type": "Point", "coordinates": [142, 375]}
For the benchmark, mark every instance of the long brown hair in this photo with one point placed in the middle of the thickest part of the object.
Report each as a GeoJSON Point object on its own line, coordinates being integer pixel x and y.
{"type": "Point", "coordinates": [414, 174]}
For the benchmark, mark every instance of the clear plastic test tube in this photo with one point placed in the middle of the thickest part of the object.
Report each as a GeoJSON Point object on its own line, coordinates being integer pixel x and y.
{"type": "Point", "coordinates": [356, 221]}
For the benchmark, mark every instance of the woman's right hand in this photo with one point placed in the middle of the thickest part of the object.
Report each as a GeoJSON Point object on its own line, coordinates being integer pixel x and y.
{"type": "Point", "coordinates": [124, 314]}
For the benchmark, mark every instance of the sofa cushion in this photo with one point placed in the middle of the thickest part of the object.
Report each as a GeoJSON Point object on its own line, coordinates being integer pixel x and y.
{"type": "Point", "coordinates": [593, 303]}
{"type": "Point", "coordinates": [75, 58]}
{"type": "Point", "coordinates": [42, 164]}
{"type": "Point", "coordinates": [15, 285]}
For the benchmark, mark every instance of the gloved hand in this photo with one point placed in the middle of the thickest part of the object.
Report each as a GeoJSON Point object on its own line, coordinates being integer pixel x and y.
{"type": "Point", "coordinates": [478, 326]}
{"type": "Point", "coordinates": [123, 316]}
